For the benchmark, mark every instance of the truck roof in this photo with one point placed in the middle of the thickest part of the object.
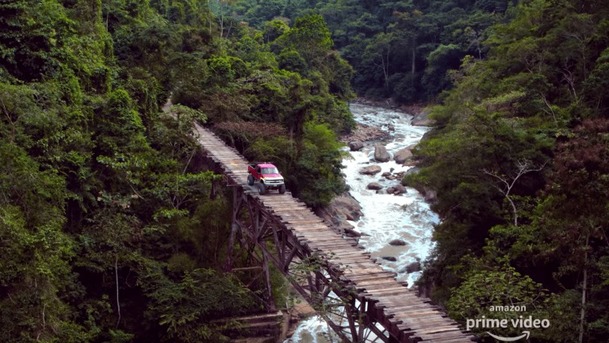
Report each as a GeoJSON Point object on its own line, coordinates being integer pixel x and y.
{"type": "Point", "coordinates": [263, 164]}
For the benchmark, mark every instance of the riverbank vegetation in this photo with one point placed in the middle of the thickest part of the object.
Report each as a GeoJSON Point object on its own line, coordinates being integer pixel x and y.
{"type": "Point", "coordinates": [110, 230]}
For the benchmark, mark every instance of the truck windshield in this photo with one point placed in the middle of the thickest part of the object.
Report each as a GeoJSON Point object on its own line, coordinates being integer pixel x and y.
{"type": "Point", "coordinates": [270, 171]}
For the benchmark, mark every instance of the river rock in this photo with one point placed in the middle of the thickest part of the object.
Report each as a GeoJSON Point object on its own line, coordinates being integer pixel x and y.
{"type": "Point", "coordinates": [374, 186]}
{"type": "Point", "coordinates": [351, 233]}
{"type": "Point", "coordinates": [370, 170]}
{"type": "Point", "coordinates": [356, 146]}
{"type": "Point", "coordinates": [389, 258]}
{"type": "Point", "coordinates": [364, 133]}
{"type": "Point", "coordinates": [413, 267]}
{"type": "Point", "coordinates": [422, 122]}
{"type": "Point", "coordinates": [388, 176]}
{"type": "Point", "coordinates": [412, 171]}
{"type": "Point", "coordinates": [380, 153]}
{"type": "Point", "coordinates": [422, 119]}
{"type": "Point", "coordinates": [347, 206]}
{"type": "Point", "coordinates": [430, 195]}
{"type": "Point", "coordinates": [399, 189]}
{"type": "Point", "coordinates": [340, 210]}
{"type": "Point", "coordinates": [403, 155]}
{"type": "Point", "coordinates": [397, 242]}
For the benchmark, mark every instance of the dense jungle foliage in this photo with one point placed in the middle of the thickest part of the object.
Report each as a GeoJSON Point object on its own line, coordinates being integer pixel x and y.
{"type": "Point", "coordinates": [400, 49]}
{"type": "Point", "coordinates": [519, 155]}
{"type": "Point", "coordinates": [109, 228]}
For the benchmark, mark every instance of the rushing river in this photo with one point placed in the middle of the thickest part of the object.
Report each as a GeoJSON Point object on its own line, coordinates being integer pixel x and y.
{"type": "Point", "coordinates": [386, 217]}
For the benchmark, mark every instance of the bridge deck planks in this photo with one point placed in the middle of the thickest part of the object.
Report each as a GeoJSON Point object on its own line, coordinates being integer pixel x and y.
{"type": "Point", "coordinates": [398, 307]}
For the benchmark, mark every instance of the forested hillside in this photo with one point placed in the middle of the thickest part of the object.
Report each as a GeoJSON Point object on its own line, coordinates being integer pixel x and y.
{"type": "Point", "coordinates": [400, 49]}
{"type": "Point", "coordinates": [109, 229]}
{"type": "Point", "coordinates": [519, 159]}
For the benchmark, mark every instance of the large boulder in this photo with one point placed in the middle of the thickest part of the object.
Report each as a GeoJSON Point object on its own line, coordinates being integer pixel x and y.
{"type": "Point", "coordinates": [396, 190]}
{"type": "Point", "coordinates": [374, 186]}
{"type": "Point", "coordinates": [350, 232]}
{"type": "Point", "coordinates": [399, 189]}
{"type": "Point", "coordinates": [422, 119]}
{"type": "Point", "coordinates": [413, 170]}
{"type": "Point", "coordinates": [370, 170]}
{"type": "Point", "coordinates": [403, 155]}
{"type": "Point", "coordinates": [389, 258]}
{"type": "Point", "coordinates": [356, 145]}
{"type": "Point", "coordinates": [364, 133]}
{"type": "Point", "coordinates": [347, 206]}
{"type": "Point", "coordinates": [340, 210]}
{"type": "Point", "coordinates": [380, 153]}
{"type": "Point", "coordinates": [430, 195]}
{"type": "Point", "coordinates": [413, 267]}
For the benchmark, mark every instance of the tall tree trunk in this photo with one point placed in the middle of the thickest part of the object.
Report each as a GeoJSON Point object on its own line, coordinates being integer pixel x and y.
{"type": "Point", "coordinates": [582, 317]}
{"type": "Point", "coordinates": [385, 66]}
{"type": "Point", "coordinates": [118, 303]}
{"type": "Point", "coordinates": [414, 55]}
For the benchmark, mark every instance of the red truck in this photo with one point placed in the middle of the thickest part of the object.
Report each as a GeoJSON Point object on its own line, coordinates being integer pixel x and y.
{"type": "Point", "coordinates": [266, 175]}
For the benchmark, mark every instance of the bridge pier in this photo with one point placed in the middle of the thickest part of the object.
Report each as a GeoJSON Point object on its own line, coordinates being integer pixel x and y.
{"type": "Point", "coordinates": [249, 228]}
{"type": "Point", "coordinates": [266, 240]}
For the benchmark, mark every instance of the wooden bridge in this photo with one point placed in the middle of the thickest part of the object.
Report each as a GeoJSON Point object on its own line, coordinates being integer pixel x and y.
{"type": "Point", "coordinates": [358, 299]}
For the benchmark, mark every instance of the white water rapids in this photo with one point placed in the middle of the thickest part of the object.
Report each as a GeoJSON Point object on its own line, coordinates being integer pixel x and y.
{"type": "Point", "coordinates": [386, 217]}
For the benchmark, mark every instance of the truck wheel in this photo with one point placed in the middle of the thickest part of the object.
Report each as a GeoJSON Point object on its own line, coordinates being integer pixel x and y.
{"type": "Point", "coordinates": [262, 188]}
{"type": "Point", "coordinates": [250, 180]}
{"type": "Point", "coordinates": [281, 189]}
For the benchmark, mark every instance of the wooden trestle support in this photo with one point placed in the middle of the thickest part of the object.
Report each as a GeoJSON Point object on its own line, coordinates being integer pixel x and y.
{"type": "Point", "coordinates": [360, 301]}
{"type": "Point", "coordinates": [266, 239]}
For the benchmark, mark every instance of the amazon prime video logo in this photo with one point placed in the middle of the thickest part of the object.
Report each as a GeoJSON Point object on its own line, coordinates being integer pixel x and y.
{"type": "Point", "coordinates": [521, 323]}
